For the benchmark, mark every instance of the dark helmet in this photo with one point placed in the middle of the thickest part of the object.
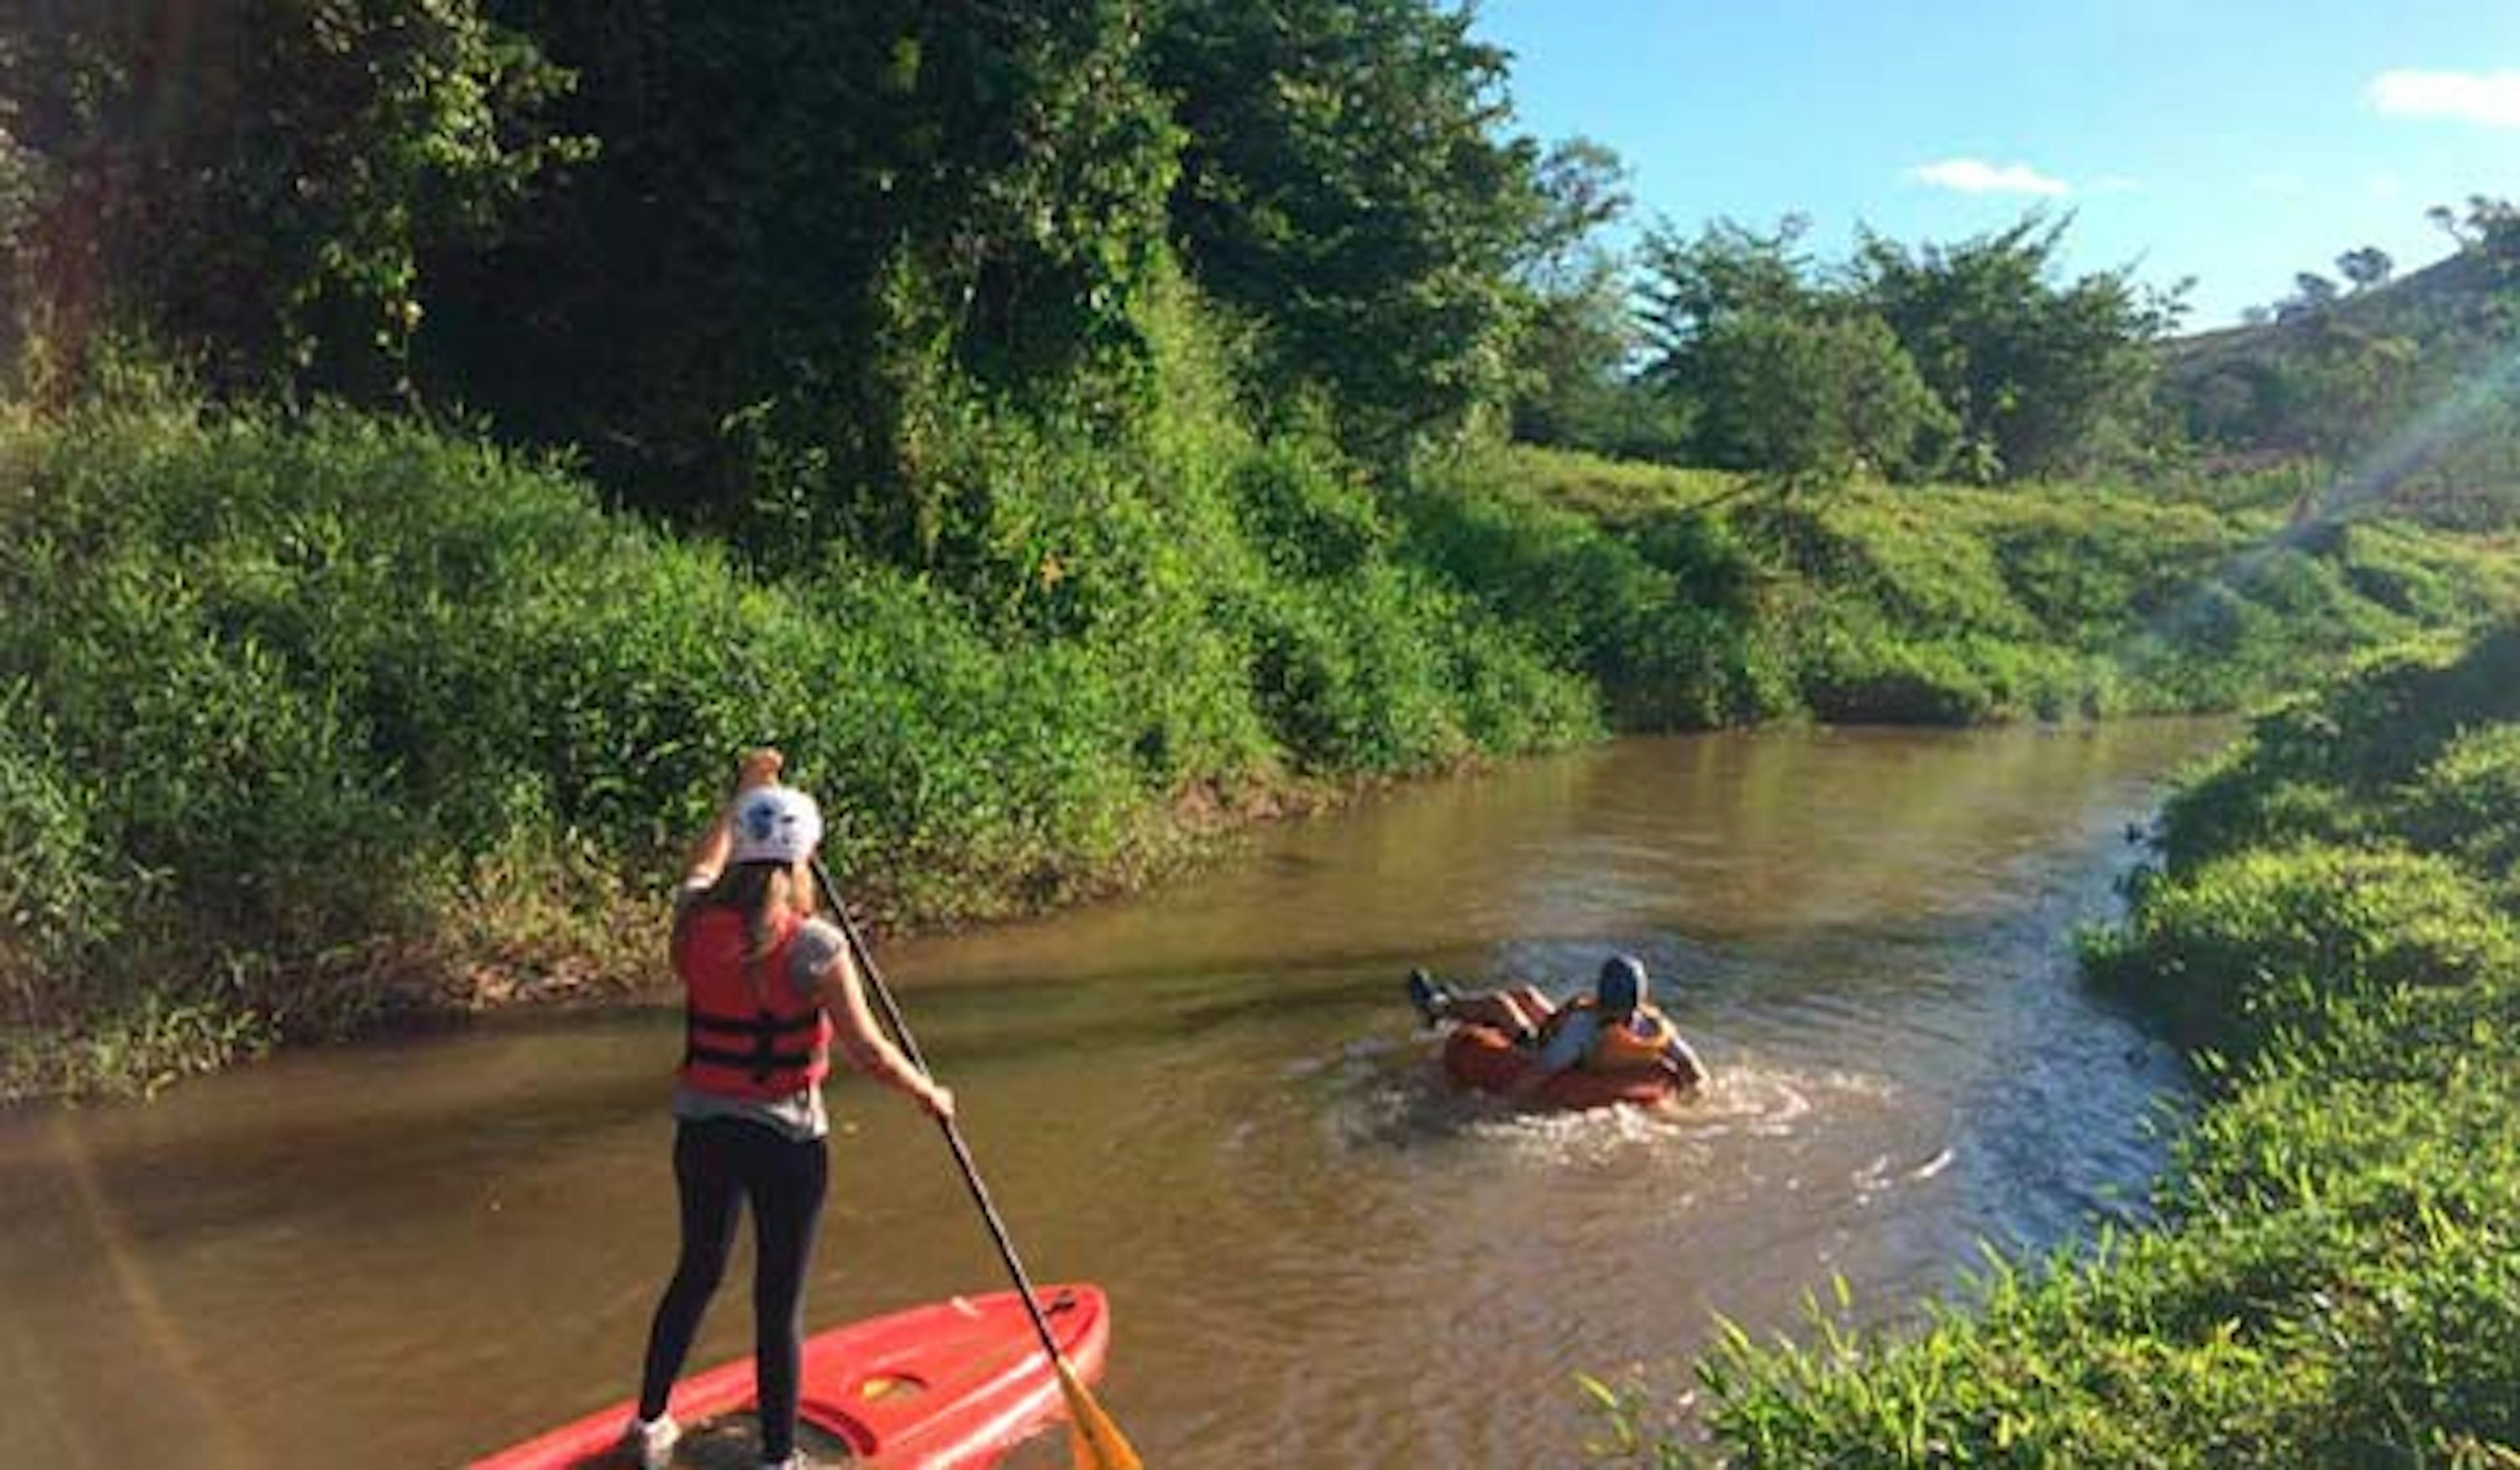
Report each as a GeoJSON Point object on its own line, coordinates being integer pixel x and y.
{"type": "Point", "coordinates": [1622, 985]}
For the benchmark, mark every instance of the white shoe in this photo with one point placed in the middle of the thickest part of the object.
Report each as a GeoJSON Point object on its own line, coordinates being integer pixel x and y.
{"type": "Point", "coordinates": [653, 1440]}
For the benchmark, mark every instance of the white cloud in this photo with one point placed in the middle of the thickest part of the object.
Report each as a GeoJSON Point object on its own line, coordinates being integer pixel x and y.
{"type": "Point", "coordinates": [2492, 98]}
{"type": "Point", "coordinates": [1977, 176]}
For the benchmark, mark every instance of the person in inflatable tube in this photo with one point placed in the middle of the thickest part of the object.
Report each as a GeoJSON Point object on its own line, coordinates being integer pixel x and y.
{"type": "Point", "coordinates": [767, 990]}
{"type": "Point", "coordinates": [1616, 1027]}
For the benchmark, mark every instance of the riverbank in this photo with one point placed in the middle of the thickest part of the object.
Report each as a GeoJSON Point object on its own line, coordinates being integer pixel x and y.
{"type": "Point", "coordinates": [2335, 914]}
{"type": "Point", "coordinates": [312, 724]}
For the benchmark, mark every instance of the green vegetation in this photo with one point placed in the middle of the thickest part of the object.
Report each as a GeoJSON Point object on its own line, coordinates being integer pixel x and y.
{"type": "Point", "coordinates": [2405, 383]}
{"type": "Point", "coordinates": [1966, 359]}
{"type": "Point", "coordinates": [2332, 1282]}
{"type": "Point", "coordinates": [306, 721]}
{"type": "Point", "coordinates": [1690, 604]}
{"type": "Point", "coordinates": [438, 432]}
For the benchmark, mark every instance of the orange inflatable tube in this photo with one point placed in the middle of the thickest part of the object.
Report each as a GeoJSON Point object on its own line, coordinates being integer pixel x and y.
{"type": "Point", "coordinates": [1484, 1057]}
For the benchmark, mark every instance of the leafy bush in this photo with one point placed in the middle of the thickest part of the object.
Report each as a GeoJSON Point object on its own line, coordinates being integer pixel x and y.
{"type": "Point", "coordinates": [1358, 674]}
{"type": "Point", "coordinates": [2267, 936]}
{"type": "Point", "coordinates": [51, 868]}
{"type": "Point", "coordinates": [2326, 766]}
{"type": "Point", "coordinates": [366, 712]}
{"type": "Point", "coordinates": [2468, 801]}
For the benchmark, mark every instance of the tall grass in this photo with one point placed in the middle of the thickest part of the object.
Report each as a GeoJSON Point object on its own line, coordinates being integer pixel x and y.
{"type": "Point", "coordinates": [1695, 600]}
{"type": "Point", "coordinates": [308, 722]}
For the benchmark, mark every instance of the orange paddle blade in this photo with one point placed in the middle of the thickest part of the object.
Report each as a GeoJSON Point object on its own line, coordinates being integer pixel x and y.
{"type": "Point", "coordinates": [1094, 1441]}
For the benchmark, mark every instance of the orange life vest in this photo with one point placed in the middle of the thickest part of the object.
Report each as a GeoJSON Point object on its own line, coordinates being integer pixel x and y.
{"type": "Point", "coordinates": [732, 1045]}
{"type": "Point", "coordinates": [1628, 1046]}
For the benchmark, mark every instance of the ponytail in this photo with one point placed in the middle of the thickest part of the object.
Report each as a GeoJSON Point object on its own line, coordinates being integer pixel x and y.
{"type": "Point", "coordinates": [765, 893]}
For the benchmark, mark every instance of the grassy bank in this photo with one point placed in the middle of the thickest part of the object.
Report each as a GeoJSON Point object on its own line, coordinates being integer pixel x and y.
{"type": "Point", "coordinates": [309, 725]}
{"type": "Point", "coordinates": [2334, 1280]}
{"type": "Point", "coordinates": [313, 723]}
{"type": "Point", "coordinates": [1691, 601]}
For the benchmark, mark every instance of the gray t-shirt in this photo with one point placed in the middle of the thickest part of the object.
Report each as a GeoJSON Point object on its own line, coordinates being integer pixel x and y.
{"type": "Point", "coordinates": [1572, 1042]}
{"type": "Point", "coordinates": [798, 1115]}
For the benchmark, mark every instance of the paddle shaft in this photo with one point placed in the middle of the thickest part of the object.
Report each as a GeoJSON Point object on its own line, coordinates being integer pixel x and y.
{"type": "Point", "coordinates": [953, 1135]}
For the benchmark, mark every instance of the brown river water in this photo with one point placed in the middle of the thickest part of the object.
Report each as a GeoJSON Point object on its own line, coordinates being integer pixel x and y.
{"type": "Point", "coordinates": [1214, 1101]}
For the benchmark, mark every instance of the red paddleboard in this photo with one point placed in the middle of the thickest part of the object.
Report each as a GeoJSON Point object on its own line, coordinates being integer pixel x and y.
{"type": "Point", "coordinates": [955, 1384]}
{"type": "Point", "coordinates": [1484, 1057]}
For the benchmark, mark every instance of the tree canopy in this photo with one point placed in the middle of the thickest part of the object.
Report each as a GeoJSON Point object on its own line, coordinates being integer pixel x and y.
{"type": "Point", "coordinates": [1347, 180]}
{"type": "Point", "coordinates": [1779, 369]}
{"type": "Point", "coordinates": [2036, 373]}
{"type": "Point", "coordinates": [256, 182]}
{"type": "Point", "coordinates": [747, 259]}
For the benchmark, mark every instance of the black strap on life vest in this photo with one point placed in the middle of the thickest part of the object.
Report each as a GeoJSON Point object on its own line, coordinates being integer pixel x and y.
{"type": "Point", "coordinates": [762, 1057]}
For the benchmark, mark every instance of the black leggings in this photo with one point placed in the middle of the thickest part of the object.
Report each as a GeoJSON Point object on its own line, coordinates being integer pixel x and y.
{"type": "Point", "coordinates": [718, 1164]}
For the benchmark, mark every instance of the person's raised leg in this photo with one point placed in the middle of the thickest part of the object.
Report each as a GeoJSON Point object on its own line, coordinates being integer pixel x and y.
{"type": "Point", "coordinates": [1517, 1012]}
{"type": "Point", "coordinates": [1529, 1009]}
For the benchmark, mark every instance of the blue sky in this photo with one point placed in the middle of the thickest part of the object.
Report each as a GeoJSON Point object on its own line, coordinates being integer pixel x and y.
{"type": "Point", "coordinates": [2236, 143]}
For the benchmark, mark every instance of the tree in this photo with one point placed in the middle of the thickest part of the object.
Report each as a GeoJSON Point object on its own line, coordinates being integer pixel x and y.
{"type": "Point", "coordinates": [1346, 182]}
{"type": "Point", "coordinates": [2348, 388]}
{"type": "Point", "coordinates": [1574, 383]}
{"type": "Point", "coordinates": [1779, 372]}
{"type": "Point", "coordinates": [1583, 189]}
{"type": "Point", "coordinates": [2489, 224]}
{"type": "Point", "coordinates": [817, 231]}
{"type": "Point", "coordinates": [2039, 375]}
{"type": "Point", "coordinates": [260, 184]}
{"type": "Point", "coordinates": [2364, 268]}
{"type": "Point", "coordinates": [2312, 294]}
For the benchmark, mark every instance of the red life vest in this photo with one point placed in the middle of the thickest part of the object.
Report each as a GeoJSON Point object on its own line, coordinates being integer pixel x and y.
{"type": "Point", "coordinates": [1625, 1045]}
{"type": "Point", "coordinates": [732, 1045]}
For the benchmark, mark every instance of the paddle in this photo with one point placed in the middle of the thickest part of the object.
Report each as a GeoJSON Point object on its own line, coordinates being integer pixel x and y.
{"type": "Point", "coordinates": [1094, 1441]}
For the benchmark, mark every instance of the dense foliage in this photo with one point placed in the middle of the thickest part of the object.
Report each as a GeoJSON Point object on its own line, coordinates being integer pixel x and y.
{"type": "Point", "coordinates": [303, 722]}
{"type": "Point", "coordinates": [1971, 359]}
{"type": "Point", "coordinates": [813, 237]}
{"type": "Point", "coordinates": [256, 180]}
{"type": "Point", "coordinates": [1347, 179]}
{"type": "Point", "coordinates": [1781, 371]}
{"type": "Point", "coordinates": [2332, 1282]}
{"type": "Point", "coordinates": [758, 265]}
{"type": "Point", "coordinates": [2043, 380]}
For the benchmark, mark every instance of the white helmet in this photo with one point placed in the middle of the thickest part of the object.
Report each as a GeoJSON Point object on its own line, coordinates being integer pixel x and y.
{"type": "Point", "coordinates": [776, 825]}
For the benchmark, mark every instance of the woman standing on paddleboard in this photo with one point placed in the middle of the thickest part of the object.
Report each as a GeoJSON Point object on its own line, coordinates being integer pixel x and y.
{"type": "Point", "coordinates": [768, 989]}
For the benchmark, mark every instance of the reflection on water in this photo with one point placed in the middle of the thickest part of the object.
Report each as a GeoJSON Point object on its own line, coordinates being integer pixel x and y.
{"type": "Point", "coordinates": [1213, 1101]}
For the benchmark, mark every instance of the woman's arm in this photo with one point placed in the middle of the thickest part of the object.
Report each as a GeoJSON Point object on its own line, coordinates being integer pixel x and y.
{"type": "Point", "coordinates": [1683, 1060]}
{"type": "Point", "coordinates": [758, 768]}
{"type": "Point", "coordinates": [853, 1025]}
